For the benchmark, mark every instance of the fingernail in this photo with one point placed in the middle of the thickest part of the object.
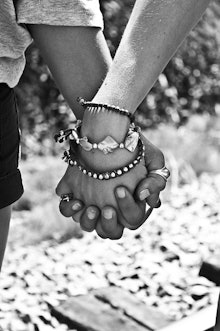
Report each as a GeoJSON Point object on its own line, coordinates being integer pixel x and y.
{"type": "Point", "coordinates": [144, 194]}
{"type": "Point", "coordinates": [76, 206]}
{"type": "Point", "coordinates": [107, 213]}
{"type": "Point", "coordinates": [91, 213]}
{"type": "Point", "coordinates": [121, 192]}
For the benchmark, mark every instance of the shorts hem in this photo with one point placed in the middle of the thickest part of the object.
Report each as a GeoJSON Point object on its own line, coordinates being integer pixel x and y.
{"type": "Point", "coordinates": [11, 189]}
{"type": "Point", "coordinates": [94, 23]}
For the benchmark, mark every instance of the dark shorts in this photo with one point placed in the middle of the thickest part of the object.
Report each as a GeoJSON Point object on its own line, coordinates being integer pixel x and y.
{"type": "Point", "coordinates": [11, 187]}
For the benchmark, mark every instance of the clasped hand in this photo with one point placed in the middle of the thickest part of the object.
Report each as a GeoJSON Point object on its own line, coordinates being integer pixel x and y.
{"type": "Point", "coordinates": [112, 205]}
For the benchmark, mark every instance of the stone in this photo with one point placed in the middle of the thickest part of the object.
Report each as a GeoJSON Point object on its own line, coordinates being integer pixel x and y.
{"type": "Point", "coordinates": [198, 292]}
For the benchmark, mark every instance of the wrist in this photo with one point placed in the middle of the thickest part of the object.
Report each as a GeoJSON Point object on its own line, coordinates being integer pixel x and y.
{"type": "Point", "coordinates": [97, 126]}
{"type": "Point", "coordinates": [99, 121]}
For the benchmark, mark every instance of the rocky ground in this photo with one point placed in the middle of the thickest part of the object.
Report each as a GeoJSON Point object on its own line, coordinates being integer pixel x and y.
{"type": "Point", "coordinates": [159, 263]}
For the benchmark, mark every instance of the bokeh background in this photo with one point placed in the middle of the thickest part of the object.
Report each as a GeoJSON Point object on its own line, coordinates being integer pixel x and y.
{"type": "Point", "coordinates": [49, 258]}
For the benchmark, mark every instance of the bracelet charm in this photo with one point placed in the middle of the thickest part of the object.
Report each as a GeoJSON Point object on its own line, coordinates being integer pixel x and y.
{"type": "Point", "coordinates": [108, 145]}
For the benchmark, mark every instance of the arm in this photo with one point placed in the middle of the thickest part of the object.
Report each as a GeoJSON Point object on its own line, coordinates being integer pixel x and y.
{"type": "Point", "coordinates": [77, 57]}
{"type": "Point", "coordinates": [155, 30]}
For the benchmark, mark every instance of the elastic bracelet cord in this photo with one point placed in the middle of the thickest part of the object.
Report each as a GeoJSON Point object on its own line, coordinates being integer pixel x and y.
{"type": "Point", "coordinates": [97, 107]}
{"type": "Point", "coordinates": [71, 159]}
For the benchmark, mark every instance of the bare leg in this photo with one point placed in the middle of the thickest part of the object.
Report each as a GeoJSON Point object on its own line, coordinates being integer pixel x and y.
{"type": "Point", "coordinates": [5, 215]}
{"type": "Point", "coordinates": [217, 325]}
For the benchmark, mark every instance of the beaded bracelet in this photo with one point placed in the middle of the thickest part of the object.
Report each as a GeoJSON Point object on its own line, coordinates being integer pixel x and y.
{"type": "Point", "coordinates": [97, 107]}
{"type": "Point", "coordinates": [108, 145]}
{"type": "Point", "coordinates": [70, 158]}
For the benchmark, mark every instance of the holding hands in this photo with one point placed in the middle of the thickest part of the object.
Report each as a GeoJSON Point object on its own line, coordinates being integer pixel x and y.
{"type": "Point", "coordinates": [118, 201]}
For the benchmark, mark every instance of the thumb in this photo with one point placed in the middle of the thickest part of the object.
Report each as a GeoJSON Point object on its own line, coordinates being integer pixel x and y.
{"type": "Point", "coordinates": [149, 190]}
{"type": "Point", "coordinates": [62, 187]}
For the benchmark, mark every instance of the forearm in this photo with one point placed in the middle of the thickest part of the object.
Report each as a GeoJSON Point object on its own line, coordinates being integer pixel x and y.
{"type": "Point", "coordinates": [77, 57]}
{"type": "Point", "coordinates": [155, 30]}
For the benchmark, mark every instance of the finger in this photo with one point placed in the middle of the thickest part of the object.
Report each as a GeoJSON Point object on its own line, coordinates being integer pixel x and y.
{"type": "Point", "coordinates": [109, 223]}
{"type": "Point", "coordinates": [132, 212]}
{"type": "Point", "coordinates": [100, 232]}
{"type": "Point", "coordinates": [69, 208]}
{"type": "Point", "coordinates": [149, 188]}
{"type": "Point", "coordinates": [154, 158]}
{"type": "Point", "coordinates": [77, 216]}
{"type": "Point", "coordinates": [89, 218]}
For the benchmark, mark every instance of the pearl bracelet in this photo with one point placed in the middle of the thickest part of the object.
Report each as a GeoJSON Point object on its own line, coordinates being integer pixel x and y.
{"type": "Point", "coordinates": [108, 145]}
{"type": "Point", "coordinates": [97, 107]}
{"type": "Point", "coordinates": [70, 158]}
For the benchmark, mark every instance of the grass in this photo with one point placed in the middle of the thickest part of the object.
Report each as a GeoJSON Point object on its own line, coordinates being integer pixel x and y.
{"type": "Point", "coordinates": [36, 214]}
{"type": "Point", "coordinates": [193, 148]}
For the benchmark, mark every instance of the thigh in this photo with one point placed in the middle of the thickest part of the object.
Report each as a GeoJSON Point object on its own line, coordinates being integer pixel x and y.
{"type": "Point", "coordinates": [10, 179]}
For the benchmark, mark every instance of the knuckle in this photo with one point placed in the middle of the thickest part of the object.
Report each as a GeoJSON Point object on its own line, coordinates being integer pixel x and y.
{"type": "Point", "coordinates": [158, 184]}
{"type": "Point", "coordinates": [58, 190]}
{"type": "Point", "coordinates": [161, 156]}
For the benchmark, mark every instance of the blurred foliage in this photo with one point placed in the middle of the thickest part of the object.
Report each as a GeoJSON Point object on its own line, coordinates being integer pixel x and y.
{"type": "Point", "coordinates": [190, 84]}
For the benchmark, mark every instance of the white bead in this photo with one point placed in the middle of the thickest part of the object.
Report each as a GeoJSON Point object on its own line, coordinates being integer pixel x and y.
{"type": "Point", "coordinates": [101, 176]}
{"type": "Point", "coordinates": [113, 174]}
{"type": "Point", "coordinates": [106, 176]}
{"type": "Point", "coordinates": [84, 171]}
{"type": "Point", "coordinates": [95, 145]}
{"type": "Point", "coordinates": [61, 132]}
{"type": "Point", "coordinates": [119, 172]}
{"type": "Point", "coordinates": [80, 167]}
{"type": "Point", "coordinates": [135, 162]}
{"type": "Point", "coordinates": [131, 165]}
{"type": "Point", "coordinates": [74, 163]}
{"type": "Point", "coordinates": [125, 169]}
{"type": "Point", "coordinates": [71, 162]}
{"type": "Point", "coordinates": [89, 174]}
{"type": "Point", "coordinates": [71, 137]}
{"type": "Point", "coordinates": [94, 175]}
{"type": "Point", "coordinates": [121, 145]}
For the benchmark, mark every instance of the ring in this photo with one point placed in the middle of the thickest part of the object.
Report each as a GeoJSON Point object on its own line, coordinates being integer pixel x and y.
{"type": "Point", "coordinates": [163, 172]}
{"type": "Point", "coordinates": [66, 197]}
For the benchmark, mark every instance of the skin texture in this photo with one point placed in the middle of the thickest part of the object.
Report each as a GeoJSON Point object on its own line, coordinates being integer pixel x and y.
{"type": "Point", "coordinates": [78, 58]}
